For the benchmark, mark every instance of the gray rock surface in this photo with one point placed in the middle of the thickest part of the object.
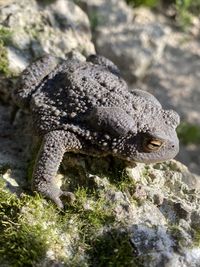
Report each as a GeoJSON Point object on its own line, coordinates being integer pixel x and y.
{"type": "Point", "coordinates": [133, 44]}
{"type": "Point", "coordinates": [15, 152]}
{"type": "Point", "coordinates": [157, 240]}
{"type": "Point", "coordinates": [162, 233]}
{"type": "Point", "coordinates": [39, 27]}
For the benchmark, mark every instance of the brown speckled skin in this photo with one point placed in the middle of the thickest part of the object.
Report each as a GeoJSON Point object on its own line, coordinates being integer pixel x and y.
{"type": "Point", "coordinates": [86, 107]}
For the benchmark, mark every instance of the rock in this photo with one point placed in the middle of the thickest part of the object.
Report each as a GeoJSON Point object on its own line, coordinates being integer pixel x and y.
{"type": "Point", "coordinates": [146, 45]}
{"type": "Point", "coordinates": [31, 28]}
{"type": "Point", "coordinates": [149, 240]}
{"type": "Point", "coordinates": [15, 146]}
{"type": "Point", "coordinates": [174, 80]}
{"type": "Point", "coordinates": [142, 214]}
{"type": "Point", "coordinates": [5, 2]}
{"type": "Point", "coordinates": [39, 28]}
{"type": "Point", "coordinates": [131, 39]}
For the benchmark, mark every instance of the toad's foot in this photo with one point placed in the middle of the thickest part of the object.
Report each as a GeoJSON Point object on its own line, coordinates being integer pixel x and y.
{"type": "Point", "coordinates": [54, 193]}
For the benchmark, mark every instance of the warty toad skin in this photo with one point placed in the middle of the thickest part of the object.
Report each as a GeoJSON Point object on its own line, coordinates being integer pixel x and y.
{"type": "Point", "coordinates": [86, 107]}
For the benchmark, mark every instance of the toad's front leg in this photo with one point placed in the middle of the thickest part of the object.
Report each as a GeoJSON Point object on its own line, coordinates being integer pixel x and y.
{"type": "Point", "coordinates": [50, 155]}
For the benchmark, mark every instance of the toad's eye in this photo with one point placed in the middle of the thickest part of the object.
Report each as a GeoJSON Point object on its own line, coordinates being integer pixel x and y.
{"type": "Point", "coordinates": [151, 145]}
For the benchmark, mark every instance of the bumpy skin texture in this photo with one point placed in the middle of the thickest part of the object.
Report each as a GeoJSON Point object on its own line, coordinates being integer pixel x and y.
{"type": "Point", "coordinates": [86, 107]}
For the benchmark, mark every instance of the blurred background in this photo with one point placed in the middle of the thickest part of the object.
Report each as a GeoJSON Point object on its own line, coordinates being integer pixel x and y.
{"type": "Point", "coordinates": [155, 43]}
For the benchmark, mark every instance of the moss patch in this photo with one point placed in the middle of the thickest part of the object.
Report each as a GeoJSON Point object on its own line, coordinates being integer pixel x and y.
{"type": "Point", "coordinates": [148, 3]}
{"type": "Point", "coordinates": [45, 2]}
{"type": "Point", "coordinates": [189, 133]}
{"type": "Point", "coordinates": [196, 238]}
{"type": "Point", "coordinates": [34, 232]}
{"type": "Point", "coordinates": [113, 249]}
{"type": "Point", "coordinates": [4, 64]}
{"type": "Point", "coordinates": [92, 209]}
{"type": "Point", "coordinates": [196, 231]}
{"type": "Point", "coordinates": [29, 229]}
{"type": "Point", "coordinates": [5, 37]}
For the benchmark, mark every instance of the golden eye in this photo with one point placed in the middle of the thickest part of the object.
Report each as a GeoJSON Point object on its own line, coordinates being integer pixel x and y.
{"type": "Point", "coordinates": [151, 145]}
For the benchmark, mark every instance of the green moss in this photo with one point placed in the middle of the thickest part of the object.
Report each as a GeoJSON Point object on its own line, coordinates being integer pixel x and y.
{"type": "Point", "coordinates": [5, 39]}
{"type": "Point", "coordinates": [31, 226]}
{"type": "Point", "coordinates": [29, 229]}
{"type": "Point", "coordinates": [184, 17]}
{"type": "Point", "coordinates": [110, 248]}
{"type": "Point", "coordinates": [45, 2]}
{"type": "Point", "coordinates": [189, 133]}
{"type": "Point", "coordinates": [94, 20]}
{"type": "Point", "coordinates": [183, 9]}
{"type": "Point", "coordinates": [113, 249]}
{"type": "Point", "coordinates": [176, 232]}
{"type": "Point", "coordinates": [93, 211]}
{"type": "Point", "coordinates": [149, 3]}
{"type": "Point", "coordinates": [4, 64]}
{"type": "Point", "coordinates": [5, 35]}
{"type": "Point", "coordinates": [196, 236]}
{"type": "Point", "coordinates": [126, 184]}
{"type": "Point", "coordinates": [196, 239]}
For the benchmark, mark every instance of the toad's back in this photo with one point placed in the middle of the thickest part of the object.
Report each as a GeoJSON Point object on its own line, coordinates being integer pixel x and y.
{"type": "Point", "coordinates": [72, 90]}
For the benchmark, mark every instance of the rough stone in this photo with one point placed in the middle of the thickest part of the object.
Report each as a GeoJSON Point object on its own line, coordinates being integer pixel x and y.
{"type": "Point", "coordinates": [14, 147]}
{"type": "Point", "coordinates": [174, 79]}
{"type": "Point", "coordinates": [39, 27]}
{"type": "Point", "coordinates": [132, 43]}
